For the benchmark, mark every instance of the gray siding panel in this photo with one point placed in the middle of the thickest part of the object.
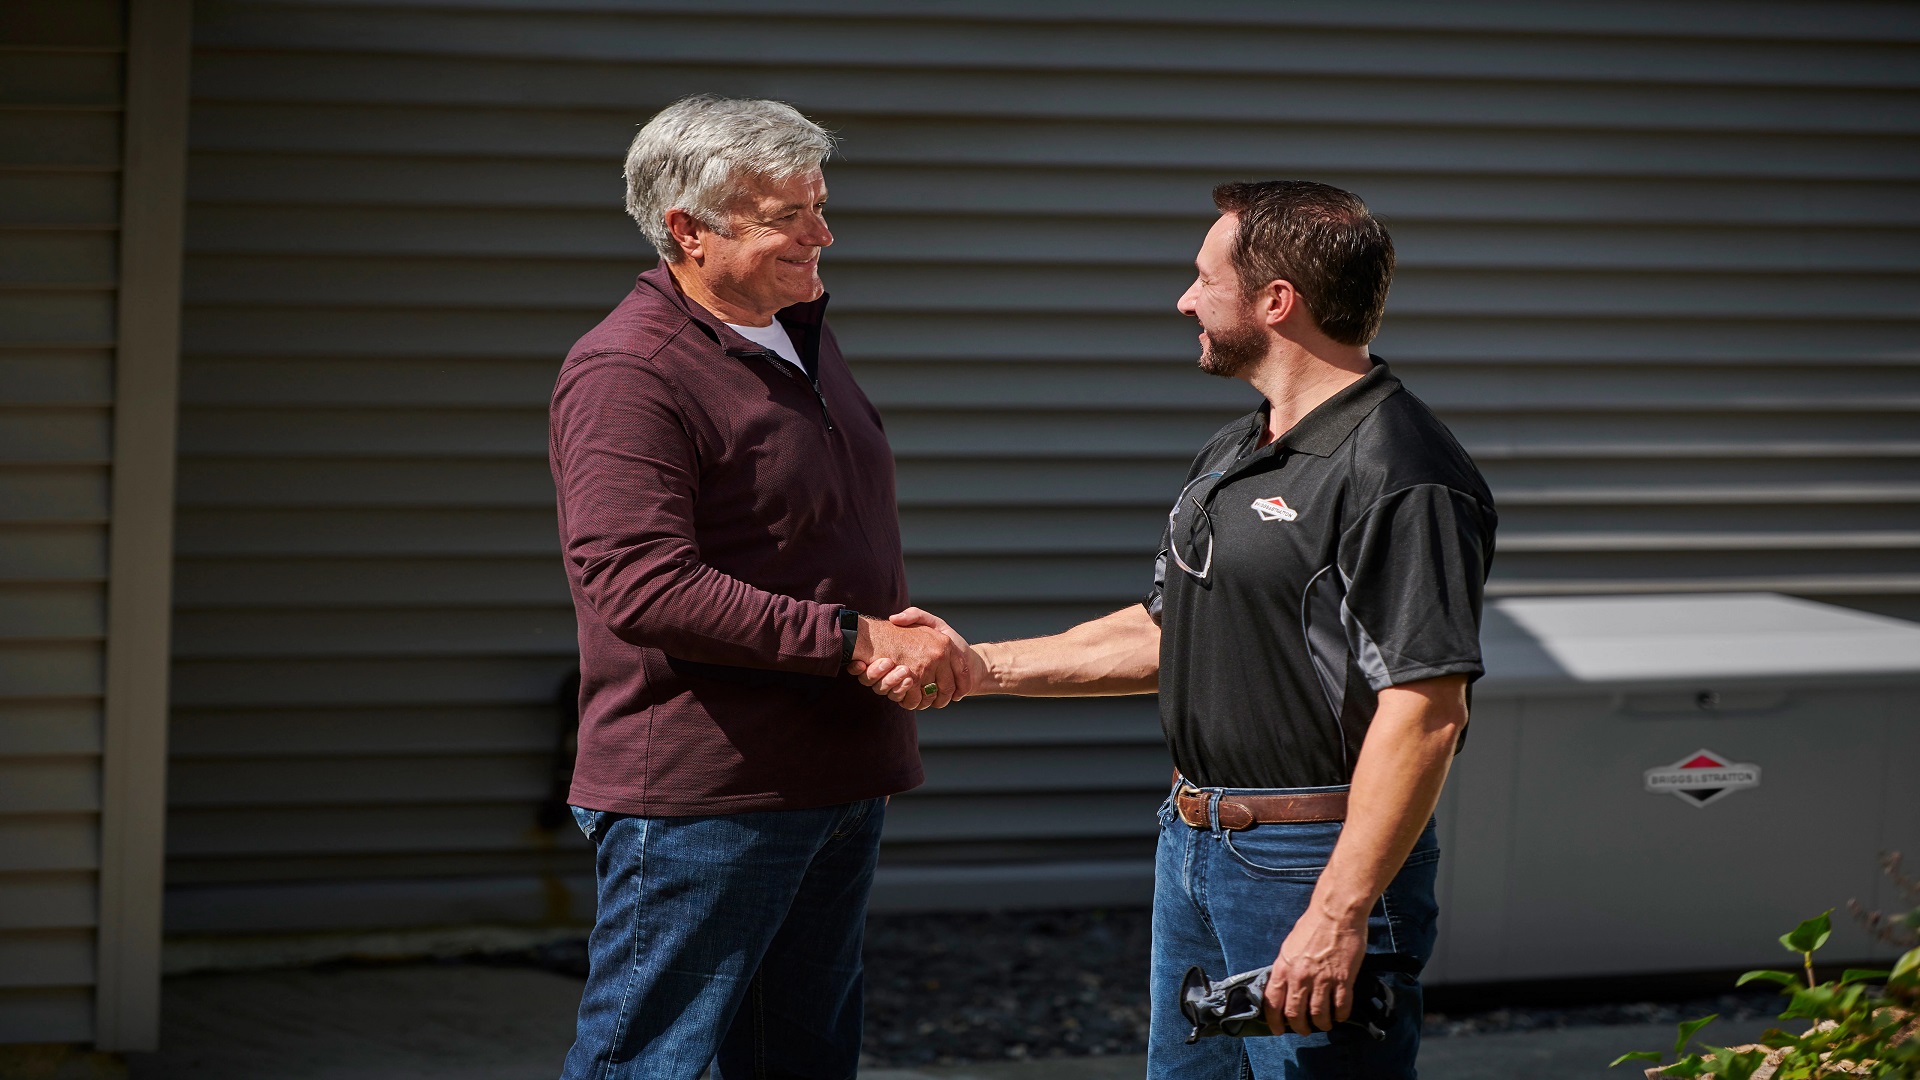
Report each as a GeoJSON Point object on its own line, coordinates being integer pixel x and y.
{"type": "Point", "coordinates": [41, 842]}
{"type": "Point", "coordinates": [46, 958]}
{"type": "Point", "coordinates": [41, 1015]}
{"type": "Point", "coordinates": [1658, 269]}
{"type": "Point", "coordinates": [61, 81]}
{"type": "Point", "coordinates": [49, 902]}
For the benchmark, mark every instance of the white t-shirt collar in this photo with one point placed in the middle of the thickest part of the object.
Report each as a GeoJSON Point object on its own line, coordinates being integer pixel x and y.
{"type": "Point", "coordinates": [773, 337]}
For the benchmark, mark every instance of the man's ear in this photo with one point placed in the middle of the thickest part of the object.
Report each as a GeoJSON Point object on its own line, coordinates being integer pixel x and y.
{"type": "Point", "coordinates": [1276, 303]}
{"type": "Point", "coordinates": [688, 232]}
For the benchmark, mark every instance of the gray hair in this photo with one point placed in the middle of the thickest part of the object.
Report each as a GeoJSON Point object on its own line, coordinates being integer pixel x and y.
{"type": "Point", "coordinates": [699, 153]}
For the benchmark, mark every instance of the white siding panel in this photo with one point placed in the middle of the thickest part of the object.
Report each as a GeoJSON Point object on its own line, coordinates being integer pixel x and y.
{"type": "Point", "coordinates": [1658, 271]}
{"type": "Point", "coordinates": [46, 958]}
{"type": "Point", "coordinates": [42, 1016]}
{"type": "Point", "coordinates": [49, 785]}
{"type": "Point", "coordinates": [364, 905]}
{"type": "Point", "coordinates": [36, 729]}
{"type": "Point", "coordinates": [61, 378]}
{"type": "Point", "coordinates": [72, 195]}
{"type": "Point", "coordinates": [1266, 38]}
{"type": "Point", "coordinates": [46, 841]}
{"type": "Point", "coordinates": [61, 83]}
{"type": "Point", "coordinates": [48, 901]}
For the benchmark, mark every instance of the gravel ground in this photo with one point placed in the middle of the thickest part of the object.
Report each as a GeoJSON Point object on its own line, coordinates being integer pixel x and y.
{"type": "Point", "coordinates": [951, 989]}
{"type": "Point", "coordinates": [1735, 1006]}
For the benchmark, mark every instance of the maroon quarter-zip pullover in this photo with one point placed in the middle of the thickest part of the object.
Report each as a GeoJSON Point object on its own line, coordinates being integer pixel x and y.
{"type": "Point", "coordinates": [717, 508]}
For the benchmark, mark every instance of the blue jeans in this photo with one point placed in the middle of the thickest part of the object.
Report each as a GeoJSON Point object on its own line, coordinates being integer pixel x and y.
{"type": "Point", "coordinates": [732, 940]}
{"type": "Point", "coordinates": [1226, 900]}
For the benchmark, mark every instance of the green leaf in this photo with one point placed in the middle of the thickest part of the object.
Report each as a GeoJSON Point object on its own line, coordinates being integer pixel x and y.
{"type": "Point", "coordinates": [1809, 935]}
{"type": "Point", "coordinates": [1852, 975]}
{"type": "Point", "coordinates": [1688, 1028]}
{"type": "Point", "coordinates": [1775, 1038]}
{"type": "Point", "coordinates": [1729, 1065]}
{"type": "Point", "coordinates": [1906, 971]}
{"type": "Point", "coordinates": [1781, 977]}
{"type": "Point", "coordinates": [1638, 1055]}
{"type": "Point", "coordinates": [1849, 1000]}
{"type": "Point", "coordinates": [1810, 1003]}
{"type": "Point", "coordinates": [1686, 1068]}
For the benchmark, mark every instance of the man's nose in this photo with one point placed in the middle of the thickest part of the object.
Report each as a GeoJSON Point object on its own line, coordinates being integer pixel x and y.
{"type": "Point", "coordinates": [818, 235]}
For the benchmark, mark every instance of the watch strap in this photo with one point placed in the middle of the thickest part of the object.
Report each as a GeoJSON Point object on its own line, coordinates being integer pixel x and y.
{"type": "Point", "coordinates": [849, 633]}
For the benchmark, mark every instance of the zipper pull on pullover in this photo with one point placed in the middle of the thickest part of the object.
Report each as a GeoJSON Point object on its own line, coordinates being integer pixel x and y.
{"type": "Point", "coordinates": [825, 416]}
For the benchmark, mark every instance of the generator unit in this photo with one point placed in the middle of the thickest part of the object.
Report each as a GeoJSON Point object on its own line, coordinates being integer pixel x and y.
{"type": "Point", "coordinates": [1667, 783]}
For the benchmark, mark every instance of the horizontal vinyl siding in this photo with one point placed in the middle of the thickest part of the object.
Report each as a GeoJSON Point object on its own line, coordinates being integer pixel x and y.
{"type": "Point", "coordinates": [1657, 270]}
{"type": "Point", "coordinates": [60, 110]}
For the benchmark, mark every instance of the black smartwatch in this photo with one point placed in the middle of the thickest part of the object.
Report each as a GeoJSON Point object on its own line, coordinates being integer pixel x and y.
{"type": "Point", "coordinates": [849, 633]}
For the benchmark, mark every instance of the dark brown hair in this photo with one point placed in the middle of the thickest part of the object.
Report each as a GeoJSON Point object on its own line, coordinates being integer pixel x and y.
{"type": "Point", "coordinates": [1320, 239]}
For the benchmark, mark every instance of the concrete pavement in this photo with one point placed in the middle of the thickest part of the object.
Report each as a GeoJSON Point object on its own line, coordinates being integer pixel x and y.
{"type": "Point", "coordinates": [473, 1022]}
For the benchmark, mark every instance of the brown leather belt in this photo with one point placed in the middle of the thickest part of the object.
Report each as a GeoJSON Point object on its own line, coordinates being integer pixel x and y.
{"type": "Point", "coordinates": [1245, 811]}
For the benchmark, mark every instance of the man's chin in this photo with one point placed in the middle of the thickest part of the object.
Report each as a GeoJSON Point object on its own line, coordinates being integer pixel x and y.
{"type": "Point", "coordinates": [802, 292]}
{"type": "Point", "coordinates": [788, 297]}
{"type": "Point", "coordinates": [1212, 364]}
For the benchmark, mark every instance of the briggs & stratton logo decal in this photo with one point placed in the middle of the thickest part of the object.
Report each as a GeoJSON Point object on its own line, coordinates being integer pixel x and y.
{"type": "Point", "coordinates": [1703, 777]}
{"type": "Point", "coordinates": [1274, 509]}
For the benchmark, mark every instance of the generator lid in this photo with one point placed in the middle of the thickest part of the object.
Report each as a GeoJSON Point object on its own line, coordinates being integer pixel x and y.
{"type": "Point", "coordinates": [1565, 642]}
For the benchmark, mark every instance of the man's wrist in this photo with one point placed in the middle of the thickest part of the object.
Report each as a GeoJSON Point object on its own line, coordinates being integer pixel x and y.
{"type": "Point", "coordinates": [849, 622]}
{"type": "Point", "coordinates": [992, 675]}
{"type": "Point", "coordinates": [1343, 907]}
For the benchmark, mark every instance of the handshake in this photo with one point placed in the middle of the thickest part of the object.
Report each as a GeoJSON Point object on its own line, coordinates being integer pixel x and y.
{"type": "Point", "coordinates": [917, 660]}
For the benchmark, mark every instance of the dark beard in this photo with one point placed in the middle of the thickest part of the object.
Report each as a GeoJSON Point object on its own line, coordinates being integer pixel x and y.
{"type": "Point", "coordinates": [1231, 350]}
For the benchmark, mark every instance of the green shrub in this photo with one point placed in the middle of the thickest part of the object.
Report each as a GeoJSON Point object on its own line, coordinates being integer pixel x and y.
{"type": "Point", "coordinates": [1862, 1023]}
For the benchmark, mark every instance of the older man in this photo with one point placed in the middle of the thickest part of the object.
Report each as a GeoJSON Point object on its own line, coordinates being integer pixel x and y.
{"type": "Point", "coordinates": [1312, 627]}
{"type": "Point", "coordinates": [726, 507]}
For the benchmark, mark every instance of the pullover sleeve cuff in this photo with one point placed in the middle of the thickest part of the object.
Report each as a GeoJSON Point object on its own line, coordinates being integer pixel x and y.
{"type": "Point", "coordinates": [823, 641]}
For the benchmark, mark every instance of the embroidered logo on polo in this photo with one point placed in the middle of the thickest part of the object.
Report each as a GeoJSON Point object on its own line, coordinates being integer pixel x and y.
{"type": "Point", "coordinates": [1274, 509]}
{"type": "Point", "coordinates": [1703, 777]}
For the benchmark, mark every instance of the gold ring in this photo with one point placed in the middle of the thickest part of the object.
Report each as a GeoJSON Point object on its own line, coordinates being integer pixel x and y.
{"type": "Point", "coordinates": [930, 689]}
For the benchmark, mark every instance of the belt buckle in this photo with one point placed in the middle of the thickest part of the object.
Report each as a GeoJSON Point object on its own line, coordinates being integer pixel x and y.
{"type": "Point", "coordinates": [1206, 804]}
{"type": "Point", "coordinates": [1187, 790]}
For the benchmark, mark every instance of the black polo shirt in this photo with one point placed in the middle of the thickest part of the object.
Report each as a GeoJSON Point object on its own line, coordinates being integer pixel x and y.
{"type": "Point", "coordinates": [1347, 556]}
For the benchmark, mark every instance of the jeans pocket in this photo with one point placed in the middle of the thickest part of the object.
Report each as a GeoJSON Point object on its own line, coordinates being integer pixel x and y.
{"type": "Point", "coordinates": [1288, 853]}
{"type": "Point", "coordinates": [1409, 903]}
{"type": "Point", "coordinates": [588, 820]}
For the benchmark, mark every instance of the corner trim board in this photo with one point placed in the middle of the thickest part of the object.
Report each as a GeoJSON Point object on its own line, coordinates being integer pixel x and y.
{"type": "Point", "coordinates": [140, 533]}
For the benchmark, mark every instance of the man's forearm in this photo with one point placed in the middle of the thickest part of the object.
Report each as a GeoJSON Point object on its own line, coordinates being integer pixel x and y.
{"type": "Point", "coordinates": [1117, 654]}
{"type": "Point", "coordinates": [695, 612]}
{"type": "Point", "coordinates": [1396, 784]}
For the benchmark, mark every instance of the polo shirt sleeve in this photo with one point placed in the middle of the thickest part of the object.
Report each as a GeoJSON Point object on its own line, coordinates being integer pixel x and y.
{"type": "Point", "coordinates": [1415, 567]}
{"type": "Point", "coordinates": [1155, 600]}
